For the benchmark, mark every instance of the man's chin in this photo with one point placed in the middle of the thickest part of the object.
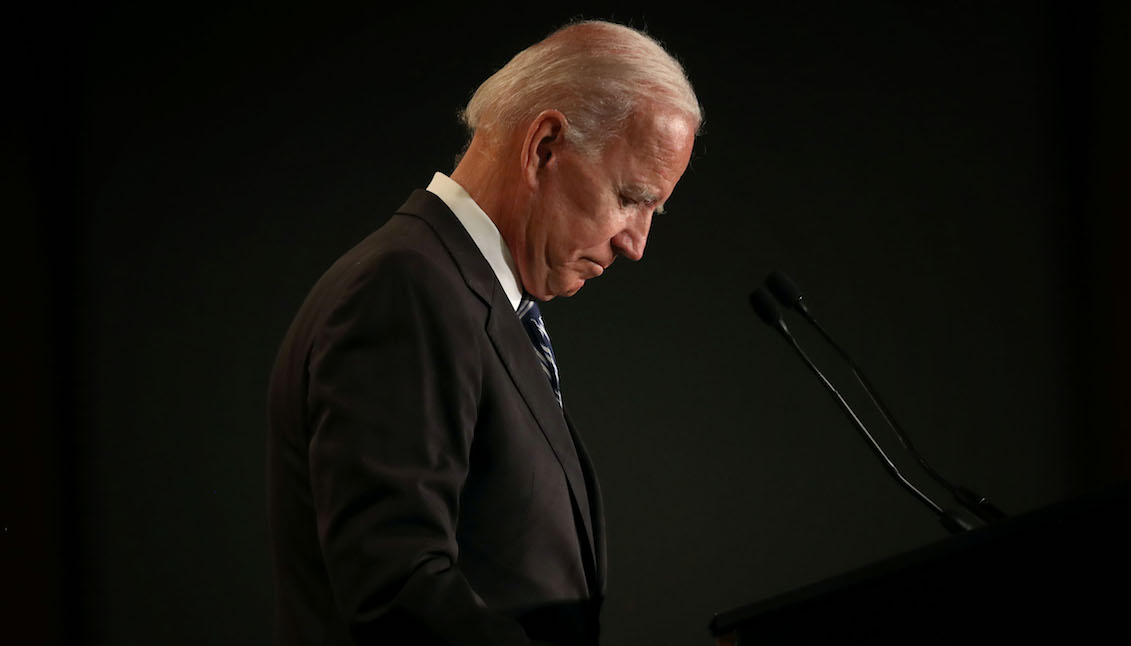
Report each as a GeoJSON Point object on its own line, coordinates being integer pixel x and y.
{"type": "Point", "coordinates": [568, 290]}
{"type": "Point", "coordinates": [575, 287]}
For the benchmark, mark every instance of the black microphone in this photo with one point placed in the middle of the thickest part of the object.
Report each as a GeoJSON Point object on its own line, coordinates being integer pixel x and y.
{"type": "Point", "coordinates": [769, 313]}
{"type": "Point", "coordinates": [789, 295]}
{"type": "Point", "coordinates": [766, 310]}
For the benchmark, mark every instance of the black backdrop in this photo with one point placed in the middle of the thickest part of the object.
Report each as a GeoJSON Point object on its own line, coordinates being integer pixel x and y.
{"type": "Point", "coordinates": [947, 183]}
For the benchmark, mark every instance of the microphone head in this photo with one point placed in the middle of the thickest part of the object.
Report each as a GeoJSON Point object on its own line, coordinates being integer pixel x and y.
{"type": "Point", "coordinates": [764, 307]}
{"type": "Point", "coordinates": [785, 290]}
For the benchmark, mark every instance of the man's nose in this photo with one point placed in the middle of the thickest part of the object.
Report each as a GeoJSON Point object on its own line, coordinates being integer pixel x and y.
{"type": "Point", "coordinates": [631, 240]}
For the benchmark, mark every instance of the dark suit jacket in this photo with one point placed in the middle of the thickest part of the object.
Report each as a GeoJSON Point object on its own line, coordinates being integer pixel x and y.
{"type": "Point", "coordinates": [423, 484]}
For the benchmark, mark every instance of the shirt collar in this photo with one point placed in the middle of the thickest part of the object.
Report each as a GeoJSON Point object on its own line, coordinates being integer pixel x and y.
{"type": "Point", "coordinates": [482, 231]}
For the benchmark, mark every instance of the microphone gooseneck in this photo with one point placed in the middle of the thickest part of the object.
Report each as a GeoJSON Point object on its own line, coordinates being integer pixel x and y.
{"type": "Point", "coordinates": [789, 295]}
{"type": "Point", "coordinates": [766, 310]}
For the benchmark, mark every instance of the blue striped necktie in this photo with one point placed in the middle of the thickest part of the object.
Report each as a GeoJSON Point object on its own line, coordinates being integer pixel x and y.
{"type": "Point", "coordinates": [531, 318]}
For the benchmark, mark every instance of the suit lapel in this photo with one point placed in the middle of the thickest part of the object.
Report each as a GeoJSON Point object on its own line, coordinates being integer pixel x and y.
{"type": "Point", "coordinates": [595, 503]}
{"type": "Point", "coordinates": [511, 343]}
{"type": "Point", "coordinates": [516, 353]}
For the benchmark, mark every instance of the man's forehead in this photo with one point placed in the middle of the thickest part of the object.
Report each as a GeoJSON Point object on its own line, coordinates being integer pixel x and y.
{"type": "Point", "coordinates": [658, 140]}
{"type": "Point", "coordinates": [658, 123]}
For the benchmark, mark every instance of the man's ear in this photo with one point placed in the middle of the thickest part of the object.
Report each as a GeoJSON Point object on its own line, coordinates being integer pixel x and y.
{"type": "Point", "coordinates": [543, 143]}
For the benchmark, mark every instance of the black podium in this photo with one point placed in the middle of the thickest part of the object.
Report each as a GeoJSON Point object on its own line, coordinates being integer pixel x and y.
{"type": "Point", "coordinates": [1061, 572]}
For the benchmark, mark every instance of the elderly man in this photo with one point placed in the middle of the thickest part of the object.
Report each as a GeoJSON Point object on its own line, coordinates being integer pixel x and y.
{"type": "Point", "coordinates": [425, 483]}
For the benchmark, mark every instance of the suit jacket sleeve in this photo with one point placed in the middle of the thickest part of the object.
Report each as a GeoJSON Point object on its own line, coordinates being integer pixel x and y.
{"type": "Point", "coordinates": [394, 381]}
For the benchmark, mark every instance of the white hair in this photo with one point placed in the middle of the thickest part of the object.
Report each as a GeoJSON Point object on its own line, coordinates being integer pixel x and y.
{"type": "Point", "coordinates": [595, 73]}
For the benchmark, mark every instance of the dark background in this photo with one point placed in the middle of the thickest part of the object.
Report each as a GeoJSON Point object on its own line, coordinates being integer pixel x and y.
{"type": "Point", "coordinates": [948, 184]}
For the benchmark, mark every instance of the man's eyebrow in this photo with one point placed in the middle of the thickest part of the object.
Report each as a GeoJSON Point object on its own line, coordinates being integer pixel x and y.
{"type": "Point", "coordinates": [641, 193]}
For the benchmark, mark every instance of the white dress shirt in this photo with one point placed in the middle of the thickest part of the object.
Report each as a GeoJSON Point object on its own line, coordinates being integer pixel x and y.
{"type": "Point", "coordinates": [482, 231]}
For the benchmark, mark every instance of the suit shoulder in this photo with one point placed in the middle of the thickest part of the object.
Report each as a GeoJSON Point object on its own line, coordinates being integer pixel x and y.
{"type": "Point", "coordinates": [403, 241]}
{"type": "Point", "coordinates": [404, 262]}
{"type": "Point", "coordinates": [405, 252]}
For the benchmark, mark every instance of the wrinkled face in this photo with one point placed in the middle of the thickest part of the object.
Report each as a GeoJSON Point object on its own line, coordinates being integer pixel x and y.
{"type": "Point", "coordinates": [586, 212]}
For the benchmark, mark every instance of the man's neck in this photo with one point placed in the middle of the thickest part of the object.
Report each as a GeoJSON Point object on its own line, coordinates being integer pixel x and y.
{"type": "Point", "coordinates": [483, 177]}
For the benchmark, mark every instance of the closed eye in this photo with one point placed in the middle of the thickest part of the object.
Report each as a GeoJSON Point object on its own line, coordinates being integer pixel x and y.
{"type": "Point", "coordinates": [626, 202]}
{"type": "Point", "coordinates": [634, 194]}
